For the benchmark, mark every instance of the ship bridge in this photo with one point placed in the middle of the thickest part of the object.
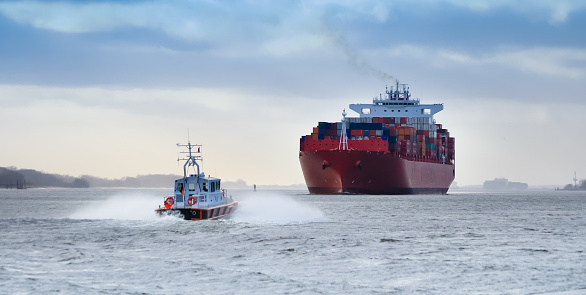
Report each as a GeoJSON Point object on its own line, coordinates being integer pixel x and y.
{"type": "Point", "coordinates": [397, 102]}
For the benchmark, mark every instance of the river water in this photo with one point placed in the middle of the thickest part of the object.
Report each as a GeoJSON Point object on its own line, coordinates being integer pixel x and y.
{"type": "Point", "coordinates": [109, 241]}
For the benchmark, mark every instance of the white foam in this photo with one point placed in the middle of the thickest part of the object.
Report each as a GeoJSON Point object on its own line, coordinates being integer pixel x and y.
{"type": "Point", "coordinates": [122, 207]}
{"type": "Point", "coordinates": [275, 208]}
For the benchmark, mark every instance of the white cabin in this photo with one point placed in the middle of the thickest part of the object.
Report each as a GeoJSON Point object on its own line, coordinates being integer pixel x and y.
{"type": "Point", "coordinates": [198, 192]}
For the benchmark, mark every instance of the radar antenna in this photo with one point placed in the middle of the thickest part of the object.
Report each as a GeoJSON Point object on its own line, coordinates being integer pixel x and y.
{"type": "Point", "coordinates": [190, 157]}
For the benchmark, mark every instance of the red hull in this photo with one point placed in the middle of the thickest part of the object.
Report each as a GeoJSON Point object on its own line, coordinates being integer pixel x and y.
{"type": "Point", "coordinates": [368, 172]}
{"type": "Point", "coordinates": [216, 212]}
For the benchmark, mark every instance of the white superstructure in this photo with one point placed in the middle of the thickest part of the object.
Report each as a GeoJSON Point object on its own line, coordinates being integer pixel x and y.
{"type": "Point", "coordinates": [397, 102]}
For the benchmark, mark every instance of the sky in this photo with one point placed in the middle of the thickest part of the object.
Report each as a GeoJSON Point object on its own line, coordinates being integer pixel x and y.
{"type": "Point", "coordinates": [107, 88]}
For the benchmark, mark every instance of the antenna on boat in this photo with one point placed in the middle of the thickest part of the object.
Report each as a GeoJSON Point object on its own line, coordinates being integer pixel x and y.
{"type": "Point", "coordinates": [190, 157]}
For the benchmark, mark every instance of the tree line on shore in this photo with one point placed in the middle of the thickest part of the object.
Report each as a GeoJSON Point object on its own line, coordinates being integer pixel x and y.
{"type": "Point", "coordinates": [578, 187]}
{"type": "Point", "coordinates": [12, 177]}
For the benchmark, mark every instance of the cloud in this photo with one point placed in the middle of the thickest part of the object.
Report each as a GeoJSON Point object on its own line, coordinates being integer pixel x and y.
{"type": "Point", "coordinates": [68, 17]}
{"type": "Point", "coordinates": [560, 13]}
{"type": "Point", "coordinates": [556, 12]}
{"type": "Point", "coordinates": [546, 61]}
{"type": "Point", "coordinates": [560, 62]}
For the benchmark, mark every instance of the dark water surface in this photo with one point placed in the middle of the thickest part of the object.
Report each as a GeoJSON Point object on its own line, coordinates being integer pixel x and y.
{"type": "Point", "coordinates": [107, 241]}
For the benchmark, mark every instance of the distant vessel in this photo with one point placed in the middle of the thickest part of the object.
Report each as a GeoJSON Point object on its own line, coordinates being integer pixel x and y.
{"type": "Point", "coordinates": [394, 147]}
{"type": "Point", "coordinates": [500, 184]}
{"type": "Point", "coordinates": [197, 197]}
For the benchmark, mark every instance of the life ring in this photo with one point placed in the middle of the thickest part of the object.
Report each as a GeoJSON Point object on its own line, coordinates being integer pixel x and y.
{"type": "Point", "coordinates": [191, 201]}
{"type": "Point", "coordinates": [170, 201]}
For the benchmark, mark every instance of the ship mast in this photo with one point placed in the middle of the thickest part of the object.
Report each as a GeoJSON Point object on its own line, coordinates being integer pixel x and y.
{"type": "Point", "coordinates": [190, 160]}
{"type": "Point", "coordinates": [343, 137]}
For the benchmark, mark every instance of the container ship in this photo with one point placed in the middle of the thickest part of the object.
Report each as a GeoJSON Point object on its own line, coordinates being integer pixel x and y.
{"type": "Point", "coordinates": [393, 147]}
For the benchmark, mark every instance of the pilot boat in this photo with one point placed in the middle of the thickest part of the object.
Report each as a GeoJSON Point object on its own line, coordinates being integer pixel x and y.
{"type": "Point", "coordinates": [197, 197]}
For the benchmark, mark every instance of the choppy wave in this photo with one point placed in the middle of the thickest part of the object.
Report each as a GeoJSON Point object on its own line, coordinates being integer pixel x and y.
{"type": "Point", "coordinates": [110, 242]}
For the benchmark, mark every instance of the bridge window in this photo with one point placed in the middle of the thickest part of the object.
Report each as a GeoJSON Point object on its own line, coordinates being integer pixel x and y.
{"type": "Point", "coordinates": [366, 111]}
{"type": "Point", "coordinates": [426, 111]}
{"type": "Point", "coordinates": [205, 186]}
{"type": "Point", "coordinates": [191, 186]}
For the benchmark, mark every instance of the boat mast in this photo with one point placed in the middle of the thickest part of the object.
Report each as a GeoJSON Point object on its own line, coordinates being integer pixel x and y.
{"type": "Point", "coordinates": [191, 159]}
{"type": "Point", "coordinates": [343, 138]}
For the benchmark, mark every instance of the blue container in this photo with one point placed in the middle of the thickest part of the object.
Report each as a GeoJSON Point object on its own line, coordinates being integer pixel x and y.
{"type": "Point", "coordinates": [365, 133]}
{"type": "Point", "coordinates": [385, 137]}
{"type": "Point", "coordinates": [393, 139]}
{"type": "Point", "coordinates": [320, 131]}
{"type": "Point", "coordinates": [386, 132]}
{"type": "Point", "coordinates": [320, 136]}
{"type": "Point", "coordinates": [302, 138]}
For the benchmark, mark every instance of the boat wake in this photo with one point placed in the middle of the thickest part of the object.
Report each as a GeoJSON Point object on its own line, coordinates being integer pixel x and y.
{"type": "Point", "coordinates": [121, 207]}
{"type": "Point", "coordinates": [275, 208]}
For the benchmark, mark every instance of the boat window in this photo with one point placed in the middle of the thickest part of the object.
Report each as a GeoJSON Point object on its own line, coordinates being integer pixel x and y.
{"type": "Point", "coordinates": [218, 184]}
{"type": "Point", "coordinates": [179, 186]}
{"type": "Point", "coordinates": [212, 187]}
{"type": "Point", "coordinates": [205, 186]}
{"type": "Point", "coordinates": [426, 111]}
{"type": "Point", "coordinates": [191, 186]}
{"type": "Point", "coordinates": [366, 111]}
